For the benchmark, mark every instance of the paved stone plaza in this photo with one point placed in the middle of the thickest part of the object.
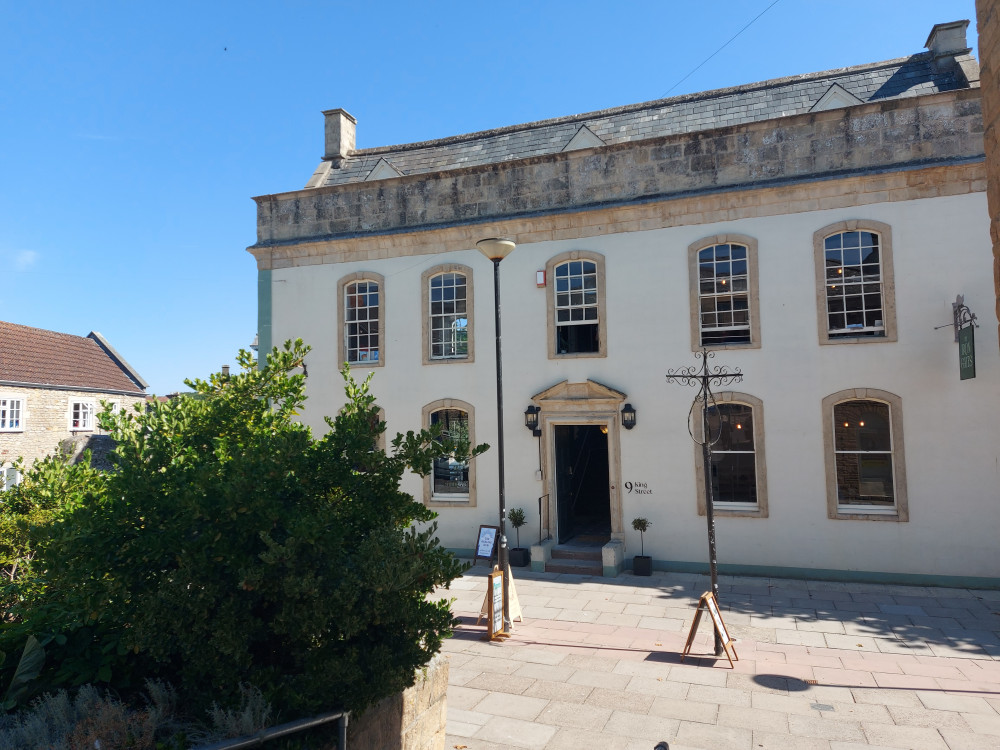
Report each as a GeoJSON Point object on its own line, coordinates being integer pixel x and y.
{"type": "Point", "coordinates": [596, 664]}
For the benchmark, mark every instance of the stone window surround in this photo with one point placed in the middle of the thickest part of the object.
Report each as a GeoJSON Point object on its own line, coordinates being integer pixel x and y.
{"type": "Point", "coordinates": [22, 411]}
{"type": "Point", "coordinates": [550, 303]}
{"type": "Point", "coordinates": [342, 317]}
{"type": "Point", "coordinates": [425, 420]}
{"type": "Point", "coordinates": [888, 280]}
{"type": "Point", "coordinates": [760, 462]}
{"type": "Point", "coordinates": [753, 291]}
{"type": "Point", "coordinates": [895, 404]}
{"type": "Point", "coordinates": [425, 281]}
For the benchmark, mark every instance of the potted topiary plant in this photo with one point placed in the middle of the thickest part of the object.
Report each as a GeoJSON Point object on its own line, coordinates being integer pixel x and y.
{"type": "Point", "coordinates": [642, 564]}
{"type": "Point", "coordinates": [519, 557]}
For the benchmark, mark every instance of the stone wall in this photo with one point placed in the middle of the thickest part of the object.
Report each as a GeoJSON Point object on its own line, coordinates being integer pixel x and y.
{"type": "Point", "coordinates": [45, 421]}
{"type": "Point", "coordinates": [877, 137]}
{"type": "Point", "coordinates": [413, 720]}
{"type": "Point", "coordinates": [988, 24]}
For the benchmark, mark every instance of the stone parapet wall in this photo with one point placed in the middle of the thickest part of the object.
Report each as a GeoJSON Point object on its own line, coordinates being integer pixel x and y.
{"type": "Point", "coordinates": [412, 720]}
{"type": "Point", "coordinates": [877, 137]}
{"type": "Point", "coordinates": [46, 429]}
{"type": "Point", "coordinates": [728, 205]}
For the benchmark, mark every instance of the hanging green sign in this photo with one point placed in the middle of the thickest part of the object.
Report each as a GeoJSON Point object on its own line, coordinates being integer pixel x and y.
{"type": "Point", "coordinates": [967, 353]}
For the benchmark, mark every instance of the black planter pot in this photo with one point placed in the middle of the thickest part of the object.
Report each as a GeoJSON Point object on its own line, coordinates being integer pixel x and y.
{"type": "Point", "coordinates": [642, 565]}
{"type": "Point", "coordinates": [520, 557]}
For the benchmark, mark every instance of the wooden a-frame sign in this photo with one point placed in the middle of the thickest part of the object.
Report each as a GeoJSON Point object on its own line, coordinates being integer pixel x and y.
{"type": "Point", "coordinates": [490, 604]}
{"type": "Point", "coordinates": [708, 602]}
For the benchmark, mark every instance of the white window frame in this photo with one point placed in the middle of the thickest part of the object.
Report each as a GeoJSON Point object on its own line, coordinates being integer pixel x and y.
{"type": "Point", "coordinates": [87, 410]}
{"type": "Point", "coordinates": [554, 307]}
{"type": "Point", "coordinates": [737, 509]}
{"type": "Point", "coordinates": [6, 407]}
{"type": "Point", "coordinates": [865, 334]}
{"type": "Point", "coordinates": [343, 292]}
{"type": "Point", "coordinates": [428, 315]}
{"type": "Point", "coordinates": [899, 511]}
{"type": "Point", "coordinates": [9, 477]}
{"type": "Point", "coordinates": [431, 499]}
{"type": "Point", "coordinates": [696, 295]}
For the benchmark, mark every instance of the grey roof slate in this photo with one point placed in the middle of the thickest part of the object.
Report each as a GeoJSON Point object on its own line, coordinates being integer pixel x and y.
{"type": "Point", "coordinates": [903, 77]}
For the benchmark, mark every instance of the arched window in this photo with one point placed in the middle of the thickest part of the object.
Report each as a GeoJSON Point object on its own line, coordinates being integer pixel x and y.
{"type": "Point", "coordinates": [451, 481]}
{"type": "Point", "coordinates": [739, 484]}
{"type": "Point", "coordinates": [864, 455]}
{"type": "Point", "coordinates": [577, 313]}
{"type": "Point", "coordinates": [447, 314]}
{"type": "Point", "coordinates": [362, 318]}
{"type": "Point", "coordinates": [724, 293]}
{"type": "Point", "coordinates": [854, 275]}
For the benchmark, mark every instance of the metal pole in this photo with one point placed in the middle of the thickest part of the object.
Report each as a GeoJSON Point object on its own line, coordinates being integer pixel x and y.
{"type": "Point", "coordinates": [713, 564]}
{"type": "Point", "coordinates": [504, 564]}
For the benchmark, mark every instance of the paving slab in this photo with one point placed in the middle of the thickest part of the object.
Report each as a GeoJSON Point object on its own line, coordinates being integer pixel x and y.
{"type": "Point", "coordinates": [823, 664]}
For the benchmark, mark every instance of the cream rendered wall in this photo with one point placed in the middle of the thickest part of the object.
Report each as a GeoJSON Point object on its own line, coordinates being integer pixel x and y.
{"type": "Point", "coordinates": [941, 248]}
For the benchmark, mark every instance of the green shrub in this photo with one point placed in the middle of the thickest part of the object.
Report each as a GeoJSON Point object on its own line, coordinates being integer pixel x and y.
{"type": "Point", "coordinates": [228, 546]}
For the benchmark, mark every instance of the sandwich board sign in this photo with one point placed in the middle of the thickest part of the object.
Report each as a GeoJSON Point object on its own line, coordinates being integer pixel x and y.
{"type": "Point", "coordinates": [494, 598]}
{"type": "Point", "coordinates": [514, 606]}
{"type": "Point", "coordinates": [708, 603]}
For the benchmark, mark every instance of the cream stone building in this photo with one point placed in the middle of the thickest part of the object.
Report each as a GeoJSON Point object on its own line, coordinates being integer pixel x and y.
{"type": "Point", "coordinates": [52, 386]}
{"type": "Point", "coordinates": [812, 231]}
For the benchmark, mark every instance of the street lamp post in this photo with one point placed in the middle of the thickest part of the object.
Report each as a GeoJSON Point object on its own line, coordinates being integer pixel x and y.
{"type": "Point", "coordinates": [704, 377]}
{"type": "Point", "coordinates": [496, 249]}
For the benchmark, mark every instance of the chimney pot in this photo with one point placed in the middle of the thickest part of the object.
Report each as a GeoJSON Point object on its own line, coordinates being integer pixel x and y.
{"type": "Point", "coordinates": [225, 371]}
{"type": "Point", "coordinates": [340, 129]}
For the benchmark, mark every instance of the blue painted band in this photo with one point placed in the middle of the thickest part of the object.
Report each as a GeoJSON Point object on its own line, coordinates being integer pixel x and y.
{"type": "Point", "coordinates": [263, 316]}
{"type": "Point", "coordinates": [827, 574]}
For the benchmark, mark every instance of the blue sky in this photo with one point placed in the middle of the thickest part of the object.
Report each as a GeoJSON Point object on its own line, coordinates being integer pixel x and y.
{"type": "Point", "coordinates": [134, 134]}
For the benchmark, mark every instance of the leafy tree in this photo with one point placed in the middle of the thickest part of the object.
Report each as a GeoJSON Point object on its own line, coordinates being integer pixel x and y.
{"type": "Point", "coordinates": [229, 546]}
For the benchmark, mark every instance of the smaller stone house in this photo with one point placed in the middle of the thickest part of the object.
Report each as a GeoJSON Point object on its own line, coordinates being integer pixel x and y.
{"type": "Point", "coordinates": [52, 386]}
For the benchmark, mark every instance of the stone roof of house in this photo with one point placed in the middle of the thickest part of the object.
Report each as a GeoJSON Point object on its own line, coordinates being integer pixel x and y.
{"type": "Point", "coordinates": [892, 79]}
{"type": "Point", "coordinates": [40, 358]}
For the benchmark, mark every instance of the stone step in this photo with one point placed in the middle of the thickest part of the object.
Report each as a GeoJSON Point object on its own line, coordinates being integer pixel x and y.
{"type": "Point", "coordinates": [560, 552]}
{"type": "Point", "coordinates": [576, 567]}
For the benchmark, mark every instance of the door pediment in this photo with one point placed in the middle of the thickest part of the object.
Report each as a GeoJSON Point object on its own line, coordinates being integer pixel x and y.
{"type": "Point", "coordinates": [586, 396]}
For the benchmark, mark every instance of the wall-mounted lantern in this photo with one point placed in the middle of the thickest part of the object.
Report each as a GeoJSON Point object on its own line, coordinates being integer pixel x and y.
{"type": "Point", "coordinates": [531, 420]}
{"type": "Point", "coordinates": [628, 416]}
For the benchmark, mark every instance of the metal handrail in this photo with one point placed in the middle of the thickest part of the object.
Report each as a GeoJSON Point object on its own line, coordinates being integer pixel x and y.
{"type": "Point", "coordinates": [283, 730]}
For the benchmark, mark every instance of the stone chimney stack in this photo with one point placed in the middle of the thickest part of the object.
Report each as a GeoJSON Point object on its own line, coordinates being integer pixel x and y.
{"type": "Point", "coordinates": [948, 39]}
{"type": "Point", "coordinates": [340, 130]}
{"type": "Point", "coordinates": [947, 43]}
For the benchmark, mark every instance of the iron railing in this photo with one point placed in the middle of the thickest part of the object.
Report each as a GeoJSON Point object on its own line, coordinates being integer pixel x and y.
{"type": "Point", "coordinates": [284, 730]}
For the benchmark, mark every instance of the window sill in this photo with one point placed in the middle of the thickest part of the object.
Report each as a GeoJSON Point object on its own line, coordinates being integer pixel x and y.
{"type": "Point", "coordinates": [447, 360]}
{"type": "Point", "coordinates": [714, 347]}
{"type": "Point", "coordinates": [867, 514]}
{"type": "Point", "coordinates": [458, 502]}
{"type": "Point", "coordinates": [578, 355]}
{"type": "Point", "coordinates": [16, 430]}
{"type": "Point", "coordinates": [857, 339]}
{"type": "Point", "coordinates": [736, 510]}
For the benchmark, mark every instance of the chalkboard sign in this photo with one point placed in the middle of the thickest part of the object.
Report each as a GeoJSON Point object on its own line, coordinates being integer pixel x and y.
{"type": "Point", "coordinates": [486, 543]}
{"type": "Point", "coordinates": [708, 602]}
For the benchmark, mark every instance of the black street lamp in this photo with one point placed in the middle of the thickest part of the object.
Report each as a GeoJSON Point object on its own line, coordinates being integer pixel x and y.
{"type": "Point", "coordinates": [496, 249]}
{"type": "Point", "coordinates": [704, 379]}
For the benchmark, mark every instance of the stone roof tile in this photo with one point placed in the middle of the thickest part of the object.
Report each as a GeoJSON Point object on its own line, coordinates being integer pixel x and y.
{"type": "Point", "coordinates": [903, 77]}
